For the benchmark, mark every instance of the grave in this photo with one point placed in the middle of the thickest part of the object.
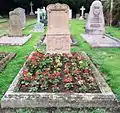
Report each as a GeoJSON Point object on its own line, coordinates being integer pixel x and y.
{"type": "Point", "coordinates": [15, 36]}
{"type": "Point", "coordinates": [77, 16]}
{"type": "Point", "coordinates": [22, 16]}
{"type": "Point", "coordinates": [95, 28]}
{"type": "Point", "coordinates": [58, 73]}
{"type": "Point", "coordinates": [31, 9]}
{"type": "Point", "coordinates": [5, 58]}
{"type": "Point", "coordinates": [58, 32]}
{"type": "Point", "coordinates": [82, 13]}
{"type": "Point", "coordinates": [39, 27]}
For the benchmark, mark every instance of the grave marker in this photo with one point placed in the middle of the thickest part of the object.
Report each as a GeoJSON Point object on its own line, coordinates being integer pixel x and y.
{"type": "Point", "coordinates": [58, 35]}
{"type": "Point", "coordinates": [31, 9]}
{"type": "Point", "coordinates": [82, 12]}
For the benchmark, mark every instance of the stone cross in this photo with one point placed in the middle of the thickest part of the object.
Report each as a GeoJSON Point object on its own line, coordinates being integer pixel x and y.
{"type": "Point", "coordinates": [82, 11]}
{"type": "Point", "coordinates": [38, 12]}
{"type": "Point", "coordinates": [31, 6]}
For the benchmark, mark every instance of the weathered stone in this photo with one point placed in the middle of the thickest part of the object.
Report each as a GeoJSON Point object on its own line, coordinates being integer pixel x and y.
{"type": "Point", "coordinates": [22, 16]}
{"type": "Point", "coordinates": [77, 16]}
{"type": "Point", "coordinates": [14, 99]}
{"type": "Point", "coordinates": [58, 35]}
{"type": "Point", "coordinates": [15, 25]}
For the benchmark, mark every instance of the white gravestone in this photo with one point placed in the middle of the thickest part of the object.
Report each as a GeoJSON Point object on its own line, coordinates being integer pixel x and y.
{"type": "Point", "coordinates": [38, 12]}
{"type": "Point", "coordinates": [82, 12]}
{"type": "Point", "coordinates": [31, 9]}
{"type": "Point", "coordinates": [95, 22]}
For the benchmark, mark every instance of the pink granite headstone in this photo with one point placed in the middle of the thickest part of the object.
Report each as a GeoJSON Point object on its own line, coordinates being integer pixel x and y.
{"type": "Point", "coordinates": [58, 35]}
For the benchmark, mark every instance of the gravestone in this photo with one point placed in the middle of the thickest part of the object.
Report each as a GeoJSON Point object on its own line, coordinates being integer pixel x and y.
{"type": "Point", "coordinates": [38, 14]}
{"type": "Point", "coordinates": [39, 27]}
{"type": "Point", "coordinates": [22, 16]}
{"type": "Point", "coordinates": [95, 28]}
{"type": "Point", "coordinates": [86, 15]}
{"type": "Point", "coordinates": [15, 24]}
{"type": "Point", "coordinates": [31, 9]}
{"type": "Point", "coordinates": [95, 22]}
{"type": "Point", "coordinates": [82, 12]}
{"type": "Point", "coordinates": [77, 16]}
{"type": "Point", "coordinates": [57, 38]}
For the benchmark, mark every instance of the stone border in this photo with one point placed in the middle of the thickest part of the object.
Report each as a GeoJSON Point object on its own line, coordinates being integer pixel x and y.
{"type": "Point", "coordinates": [5, 60]}
{"type": "Point", "coordinates": [106, 98]}
{"type": "Point", "coordinates": [104, 45]}
{"type": "Point", "coordinates": [16, 44]}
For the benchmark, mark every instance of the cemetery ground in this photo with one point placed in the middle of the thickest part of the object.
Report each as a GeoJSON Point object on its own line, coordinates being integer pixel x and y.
{"type": "Point", "coordinates": [106, 59]}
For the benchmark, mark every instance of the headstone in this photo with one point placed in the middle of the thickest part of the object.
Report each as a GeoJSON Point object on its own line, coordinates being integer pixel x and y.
{"type": "Point", "coordinates": [77, 16]}
{"type": "Point", "coordinates": [38, 14]}
{"type": "Point", "coordinates": [15, 25]}
{"type": "Point", "coordinates": [43, 16]}
{"type": "Point", "coordinates": [22, 16]}
{"type": "Point", "coordinates": [58, 35]}
{"type": "Point", "coordinates": [31, 9]}
{"type": "Point", "coordinates": [82, 12]}
{"type": "Point", "coordinates": [95, 22]}
{"type": "Point", "coordinates": [86, 15]}
{"type": "Point", "coordinates": [70, 14]}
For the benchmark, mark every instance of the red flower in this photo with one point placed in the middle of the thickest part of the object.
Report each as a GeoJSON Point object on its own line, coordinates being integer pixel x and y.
{"type": "Point", "coordinates": [68, 79]}
{"type": "Point", "coordinates": [25, 72]}
{"type": "Point", "coordinates": [26, 78]}
{"type": "Point", "coordinates": [57, 74]}
{"type": "Point", "coordinates": [66, 71]}
{"type": "Point", "coordinates": [50, 76]}
{"type": "Point", "coordinates": [86, 70]}
{"type": "Point", "coordinates": [33, 58]}
{"type": "Point", "coordinates": [42, 79]}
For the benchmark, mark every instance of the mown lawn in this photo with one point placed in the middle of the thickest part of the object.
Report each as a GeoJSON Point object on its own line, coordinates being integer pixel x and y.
{"type": "Point", "coordinates": [107, 59]}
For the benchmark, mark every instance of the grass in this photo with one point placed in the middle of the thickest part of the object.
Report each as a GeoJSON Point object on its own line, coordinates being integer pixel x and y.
{"type": "Point", "coordinates": [107, 59]}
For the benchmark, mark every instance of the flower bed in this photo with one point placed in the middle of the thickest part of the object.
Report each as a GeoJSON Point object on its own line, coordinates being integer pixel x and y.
{"type": "Point", "coordinates": [58, 73]}
{"type": "Point", "coordinates": [5, 58]}
{"type": "Point", "coordinates": [60, 81]}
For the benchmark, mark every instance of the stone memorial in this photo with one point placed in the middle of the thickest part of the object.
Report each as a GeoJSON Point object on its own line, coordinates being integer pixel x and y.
{"type": "Point", "coordinates": [38, 12]}
{"type": "Point", "coordinates": [86, 16]}
{"type": "Point", "coordinates": [39, 27]}
{"type": "Point", "coordinates": [57, 38]}
{"type": "Point", "coordinates": [77, 16]}
{"type": "Point", "coordinates": [82, 13]}
{"type": "Point", "coordinates": [15, 35]}
{"type": "Point", "coordinates": [31, 9]}
{"type": "Point", "coordinates": [15, 24]}
{"type": "Point", "coordinates": [95, 22]}
{"type": "Point", "coordinates": [95, 28]}
{"type": "Point", "coordinates": [22, 16]}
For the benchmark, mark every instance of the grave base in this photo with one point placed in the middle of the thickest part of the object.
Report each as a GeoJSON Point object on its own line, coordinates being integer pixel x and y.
{"type": "Point", "coordinates": [97, 41]}
{"type": "Point", "coordinates": [14, 99]}
{"type": "Point", "coordinates": [6, 40]}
